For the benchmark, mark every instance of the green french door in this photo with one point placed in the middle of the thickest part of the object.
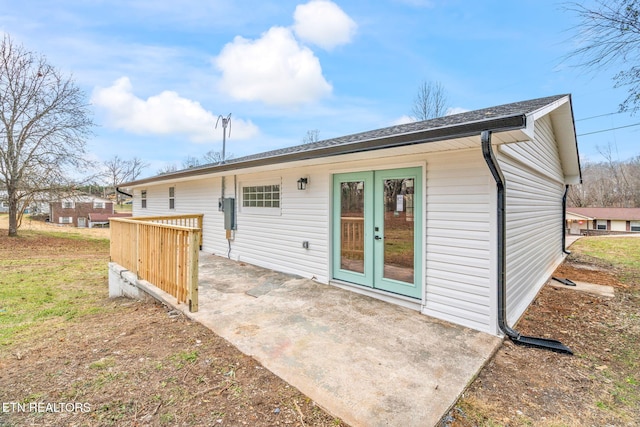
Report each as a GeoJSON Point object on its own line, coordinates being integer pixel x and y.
{"type": "Point", "coordinates": [377, 223]}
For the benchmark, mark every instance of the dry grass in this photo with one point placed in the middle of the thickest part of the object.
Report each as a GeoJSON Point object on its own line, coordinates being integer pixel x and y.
{"type": "Point", "coordinates": [124, 362]}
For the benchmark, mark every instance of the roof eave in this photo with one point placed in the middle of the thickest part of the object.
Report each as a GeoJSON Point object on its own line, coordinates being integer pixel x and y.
{"type": "Point", "coordinates": [496, 124]}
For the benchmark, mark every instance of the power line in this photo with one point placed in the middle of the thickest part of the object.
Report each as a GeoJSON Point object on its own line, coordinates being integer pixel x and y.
{"type": "Point", "coordinates": [601, 115]}
{"type": "Point", "coordinates": [610, 129]}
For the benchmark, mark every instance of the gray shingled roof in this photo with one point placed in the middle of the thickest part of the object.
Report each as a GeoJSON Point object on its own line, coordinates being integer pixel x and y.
{"type": "Point", "coordinates": [503, 117]}
{"type": "Point", "coordinates": [524, 107]}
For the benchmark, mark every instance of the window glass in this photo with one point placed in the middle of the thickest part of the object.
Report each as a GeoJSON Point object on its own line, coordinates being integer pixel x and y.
{"type": "Point", "coordinates": [261, 196]}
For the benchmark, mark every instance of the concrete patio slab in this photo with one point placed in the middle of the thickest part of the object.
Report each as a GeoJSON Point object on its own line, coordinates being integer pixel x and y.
{"type": "Point", "coordinates": [368, 362]}
{"type": "Point", "coordinates": [590, 288]}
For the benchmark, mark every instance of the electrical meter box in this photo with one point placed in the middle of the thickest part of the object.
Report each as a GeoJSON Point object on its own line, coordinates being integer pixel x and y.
{"type": "Point", "coordinates": [229, 209]}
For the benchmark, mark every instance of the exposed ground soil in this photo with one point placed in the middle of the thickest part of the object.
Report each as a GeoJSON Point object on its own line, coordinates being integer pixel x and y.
{"type": "Point", "coordinates": [598, 386]}
{"type": "Point", "coordinates": [135, 364]}
{"type": "Point", "coordinates": [138, 364]}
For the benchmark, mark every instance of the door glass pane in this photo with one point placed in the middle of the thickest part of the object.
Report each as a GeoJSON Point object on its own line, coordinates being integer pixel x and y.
{"type": "Point", "coordinates": [398, 229]}
{"type": "Point", "coordinates": [352, 226]}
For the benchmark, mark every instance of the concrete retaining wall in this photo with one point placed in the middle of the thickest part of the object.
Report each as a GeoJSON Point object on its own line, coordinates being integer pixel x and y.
{"type": "Point", "coordinates": [124, 283]}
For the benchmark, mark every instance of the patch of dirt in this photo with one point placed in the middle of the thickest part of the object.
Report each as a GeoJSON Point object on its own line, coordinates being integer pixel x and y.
{"type": "Point", "coordinates": [597, 386]}
{"type": "Point", "coordinates": [134, 364]}
{"type": "Point", "coordinates": [138, 364]}
{"type": "Point", "coordinates": [29, 224]}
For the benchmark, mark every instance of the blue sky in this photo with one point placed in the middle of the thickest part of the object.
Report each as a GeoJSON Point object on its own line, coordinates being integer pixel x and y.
{"type": "Point", "coordinates": [158, 73]}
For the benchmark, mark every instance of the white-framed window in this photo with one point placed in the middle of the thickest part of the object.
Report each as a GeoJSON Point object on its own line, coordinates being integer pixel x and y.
{"type": "Point", "coordinates": [65, 220]}
{"type": "Point", "coordinates": [172, 197]}
{"type": "Point", "coordinates": [261, 196]}
{"type": "Point", "coordinates": [68, 204]}
{"type": "Point", "coordinates": [635, 226]}
{"type": "Point", "coordinates": [601, 224]}
{"type": "Point", "coordinates": [4, 204]}
{"type": "Point", "coordinates": [143, 199]}
{"type": "Point", "coordinates": [98, 205]}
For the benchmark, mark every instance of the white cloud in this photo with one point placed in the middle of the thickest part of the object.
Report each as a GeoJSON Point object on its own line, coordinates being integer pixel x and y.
{"type": "Point", "coordinates": [323, 23]}
{"type": "Point", "coordinates": [164, 114]}
{"type": "Point", "coordinates": [403, 120]}
{"type": "Point", "coordinates": [273, 69]}
{"type": "Point", "coordinates": [455, 110]}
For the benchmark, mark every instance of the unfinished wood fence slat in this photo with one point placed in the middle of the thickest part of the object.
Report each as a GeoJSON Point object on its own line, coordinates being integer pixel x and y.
{"type": "Point", "coordinates": [163, 250]}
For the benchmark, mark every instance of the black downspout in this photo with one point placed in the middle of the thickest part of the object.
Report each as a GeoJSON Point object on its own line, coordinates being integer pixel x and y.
{"type": "Point", "coordinates": [122, 192]}
{"type": "Point", "coordinates": [515, 336]}
{"type": "Point", "coordinates": [564, 221]}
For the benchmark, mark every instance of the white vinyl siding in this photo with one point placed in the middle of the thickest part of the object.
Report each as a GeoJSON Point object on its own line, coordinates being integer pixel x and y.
{"type": "Point", "coordinates": [199, 196]}
{"type": "Point", "coordinates": [275, 240]}
{"type": "Point", "coordinates": [458, 235]}
{"type": "Point", "coordinates": [534, 190]}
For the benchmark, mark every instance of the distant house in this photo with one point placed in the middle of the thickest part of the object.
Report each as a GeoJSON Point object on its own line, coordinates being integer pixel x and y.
{"type": "Point", "coordinates": [102, 219]}
{"type": "Point", "coordinates": [76, 210]}
{"type": "Point", "coordinates": [36, 205]}
{"type": "Point", "coordinates": [602, 220]}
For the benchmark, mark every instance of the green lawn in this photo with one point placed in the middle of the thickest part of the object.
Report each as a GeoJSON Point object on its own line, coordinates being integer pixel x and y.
{"type": "Point", "coordinates": [45, 278]}
{"type": "Point", "coordinates": [623, 251]}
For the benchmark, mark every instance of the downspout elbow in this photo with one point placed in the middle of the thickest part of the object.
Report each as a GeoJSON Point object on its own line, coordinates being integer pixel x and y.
{"type": "Point", "coordinates": [123, 193]}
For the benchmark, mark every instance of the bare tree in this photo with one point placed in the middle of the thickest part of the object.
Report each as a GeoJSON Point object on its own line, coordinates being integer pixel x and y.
{"type": "Point", "coordinates": [190, 162]}
{"type": "Point", "coordinates": [215, 157]}
{"type": "Point", "coordinates": [44, 122]}
{"type": "Point", "coordinates": [210, 157]}
{"type": "Point", "coordinates": [167, 168]}
{"type": "Point", "coordinates": [136, 166]}
{"type": "Point", "coordinates": [609, 36]}
{"type": "Point", "coordinates": [610, 183]}
{"type": "Point", "coordinates": [430, 101]}
{"type": "Point", "coordinates": [118, 170]}
{"type": "Point", "coordinates": [620, 190]}
{"type": "Point", "coordinates": [312, 135]}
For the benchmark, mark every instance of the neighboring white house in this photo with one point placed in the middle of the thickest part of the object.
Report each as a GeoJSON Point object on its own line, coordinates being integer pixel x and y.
{"type": "Point", "coordinates": [410, 214]}
{"type": "Point", "coordinates": [603, 220]}
{"type": "Point", "coordinates": [35, 205]}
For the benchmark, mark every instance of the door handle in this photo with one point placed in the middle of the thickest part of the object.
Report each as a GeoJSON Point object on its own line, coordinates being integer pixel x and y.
{"type": "Point", "coordinates": [378, 238]}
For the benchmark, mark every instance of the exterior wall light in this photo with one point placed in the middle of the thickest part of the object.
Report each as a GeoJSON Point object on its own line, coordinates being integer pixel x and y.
{"type": "Point", "coordinates": [302, 183]}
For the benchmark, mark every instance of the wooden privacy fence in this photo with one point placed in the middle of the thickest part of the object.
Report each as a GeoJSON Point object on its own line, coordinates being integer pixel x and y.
{"type": "Point", "coordinates": [161, 250]}
{"type": "Point", "coordinates": [352, 237]}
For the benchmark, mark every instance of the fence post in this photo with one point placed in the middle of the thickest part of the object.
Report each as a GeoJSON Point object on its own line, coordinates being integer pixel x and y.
{"type": "Point", "coordinates": [136, 248]}
{"type": "Point", "coordinates": [194, 255]}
